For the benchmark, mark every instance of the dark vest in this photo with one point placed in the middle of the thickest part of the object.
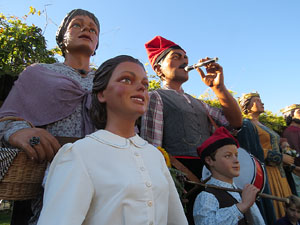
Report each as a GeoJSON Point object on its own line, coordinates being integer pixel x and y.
{"type": "Point", "coordinates": [226, 200]}
{"type": "Point", "coordinates": [186, 125]}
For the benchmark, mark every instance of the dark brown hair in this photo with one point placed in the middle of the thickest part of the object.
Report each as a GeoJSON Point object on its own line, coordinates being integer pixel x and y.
{"type": "Point", "coordinates": [103, 74]}
{"type": "Point", "coordinates": [293, 200]}
{"type": "Point", "coordinates": [244, 105]}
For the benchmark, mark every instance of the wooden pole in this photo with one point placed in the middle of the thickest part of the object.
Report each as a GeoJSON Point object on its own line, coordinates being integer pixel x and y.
{"type": "Point", "coordinates": [263, 195]}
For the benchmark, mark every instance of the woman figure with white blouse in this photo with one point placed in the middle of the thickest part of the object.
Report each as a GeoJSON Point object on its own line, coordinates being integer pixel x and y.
{"type": "Point", "coordinates": [112, 176]}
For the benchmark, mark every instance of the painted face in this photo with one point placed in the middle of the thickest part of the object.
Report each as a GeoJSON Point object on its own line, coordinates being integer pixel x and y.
{"type": "Point", "coordinates": [256, 105]}
{"type": "Point", "coordinates": [81, 34]}
{"type": "Point", "coordinates": [293, 213]}
{"type": "Point", "coordinates": [226, 165]}
{"type": "Point", "coordinates": [172, 66]}
{"type": "Point", "coordinates": [297, 114]}
{"type": "Point", "coordinates": [126, 94]}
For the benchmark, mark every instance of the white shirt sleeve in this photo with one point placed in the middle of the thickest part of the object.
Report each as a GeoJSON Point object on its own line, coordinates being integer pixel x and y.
{"type": "Point", "coordinates": [68, 191]}
{"type": "Point", "coordinates": [176, 214]}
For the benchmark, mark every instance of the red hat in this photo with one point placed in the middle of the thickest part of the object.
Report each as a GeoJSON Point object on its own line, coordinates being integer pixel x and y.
{"type": "Point", "coordinates": [217, 140]}
{"type": "Point", "coordinates": [156, 49]}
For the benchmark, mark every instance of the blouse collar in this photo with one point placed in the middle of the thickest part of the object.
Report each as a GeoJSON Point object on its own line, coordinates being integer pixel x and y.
{"type": "Point", "coordinates": [108, 138]}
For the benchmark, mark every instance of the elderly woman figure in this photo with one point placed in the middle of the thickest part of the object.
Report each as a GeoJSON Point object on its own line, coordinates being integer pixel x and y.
{"type": "Point", "coordinates": [263, 143]}
{"type": "Point", "coordinates": [54, 98]}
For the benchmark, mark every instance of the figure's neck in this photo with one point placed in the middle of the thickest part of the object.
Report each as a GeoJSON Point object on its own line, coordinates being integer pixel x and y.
{"type": "Point", "coordinates": [79, 62]}
{"type": "Point", "coordinates": [174, 86]}
{"type": "Point", "coordinates": [255, 117]}
{"type": "Point", "coordinates": [120, 125]}
{"type": "Point", "coordinates": [295, 123]}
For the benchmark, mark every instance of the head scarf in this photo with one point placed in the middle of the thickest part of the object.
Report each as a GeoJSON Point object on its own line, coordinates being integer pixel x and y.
{"type": "Point", "coordinates": [65, 22]}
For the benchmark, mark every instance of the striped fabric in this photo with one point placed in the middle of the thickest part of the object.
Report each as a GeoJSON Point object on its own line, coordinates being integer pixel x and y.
{"type": "Point", "coordinates": [7, 156]}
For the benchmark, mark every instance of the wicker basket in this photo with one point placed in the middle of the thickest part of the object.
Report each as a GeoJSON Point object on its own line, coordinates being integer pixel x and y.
{"type": "Point", "coordinates": [23, 179]}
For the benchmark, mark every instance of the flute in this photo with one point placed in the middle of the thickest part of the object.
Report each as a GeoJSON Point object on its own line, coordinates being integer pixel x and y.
{"type": "Point", "coordinates": [197, 65]}
{"type": "Point", "coordinates": [263, 195]}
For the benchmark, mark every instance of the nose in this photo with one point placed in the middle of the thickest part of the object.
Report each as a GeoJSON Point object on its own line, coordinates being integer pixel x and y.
{"type": "Point", "coordinates": [236, 159]}
{"type": "Point", "coordinates": [84, 28]}
{"type": "Point", "coordinates": [141, 87]}
{"type": "Point", "coordinates": [186, 60]}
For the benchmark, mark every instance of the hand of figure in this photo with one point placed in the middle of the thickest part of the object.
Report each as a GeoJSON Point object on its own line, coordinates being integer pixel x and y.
{"type": "Point", "coordinates": [287, 159]}
{"type": "Point", "coordinates": [296, 171]}
{"type": "Point", "coordinates": [45, 150]}
{"type": "Point", "coordinates": [214, 77]}
{"type": "Point", "coordinates": [248, 197]}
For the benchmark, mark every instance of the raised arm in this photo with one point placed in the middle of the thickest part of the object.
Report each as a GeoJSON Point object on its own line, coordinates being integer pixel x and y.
{"type": "Point", "coordinates": [215, 80]}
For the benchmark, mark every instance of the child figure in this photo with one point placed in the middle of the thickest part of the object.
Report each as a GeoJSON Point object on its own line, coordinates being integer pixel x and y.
{"type": "Point", "coordinates": [292, 212]}
{"type": "Point", "coordinates": [214, 206]}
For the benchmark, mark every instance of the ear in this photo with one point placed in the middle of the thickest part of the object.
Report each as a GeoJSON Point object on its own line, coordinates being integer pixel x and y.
{"type": "Point", "coordinates": [208, 160]}
{"type": "Point", "coordinates": [158, 71]}
{"type": "Point", "coordinates": [101, 97]}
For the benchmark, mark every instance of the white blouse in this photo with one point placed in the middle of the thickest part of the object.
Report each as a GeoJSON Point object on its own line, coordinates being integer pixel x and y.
{"type": "Point", "coordinates": [105, 179]}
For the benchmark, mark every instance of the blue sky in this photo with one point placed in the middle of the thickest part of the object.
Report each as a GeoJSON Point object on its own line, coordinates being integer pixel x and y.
{"type": "Point", "coordinates": [257, 42]}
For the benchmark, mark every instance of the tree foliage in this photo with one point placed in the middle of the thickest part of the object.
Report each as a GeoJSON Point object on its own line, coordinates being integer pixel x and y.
{"type": "Point", "coordinates": [154, 80]}
{"type": "Point", "coordinates": [154, 83]}
{"type": "Point", "coordinates": [21, 44]}
{"type": "Point", "coordinates": [273, 121]}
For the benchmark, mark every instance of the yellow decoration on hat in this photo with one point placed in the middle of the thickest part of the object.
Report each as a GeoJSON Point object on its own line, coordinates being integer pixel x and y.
{"type": "Point", "coordinates": [290, 108]}
{"type": "Point", "coordinates": [249, 95]}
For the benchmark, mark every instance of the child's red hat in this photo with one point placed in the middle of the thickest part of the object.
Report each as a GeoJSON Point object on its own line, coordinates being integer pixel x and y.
{"type": "Point", "coordinates": [217, 140]}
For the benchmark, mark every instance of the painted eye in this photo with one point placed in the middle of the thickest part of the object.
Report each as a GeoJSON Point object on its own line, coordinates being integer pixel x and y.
{"type": "Point", "coordinates": [146, 85]}
{"type": "Point", "coordinates": [76, 25]}
{"type": "Point", "coordinates": [126, 81]}
{"type": "Point", "coordinates": [92, 30]}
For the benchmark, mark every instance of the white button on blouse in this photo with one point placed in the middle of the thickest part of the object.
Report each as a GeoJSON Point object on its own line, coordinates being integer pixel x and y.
{"type": "Point", "coordinates": [100, 180]}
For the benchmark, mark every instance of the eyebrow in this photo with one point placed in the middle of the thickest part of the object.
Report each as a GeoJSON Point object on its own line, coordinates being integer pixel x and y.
{"type": "Point", "coordinates": [179, 54]}
{"type": "Point", "coordinates": [176, 53]}
{"type": "Point", "coordinates": [133, 74]}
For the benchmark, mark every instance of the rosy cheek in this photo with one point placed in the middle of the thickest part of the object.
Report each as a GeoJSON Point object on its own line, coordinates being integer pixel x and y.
{"type": "Point", "coordinates": [120, 90]}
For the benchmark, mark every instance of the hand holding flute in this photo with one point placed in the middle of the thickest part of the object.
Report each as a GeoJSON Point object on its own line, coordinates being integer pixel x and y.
{"type": "Point", "coordinates": [214, 76]}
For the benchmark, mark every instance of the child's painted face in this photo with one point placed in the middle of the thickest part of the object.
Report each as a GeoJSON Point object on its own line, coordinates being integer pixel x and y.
{"type": "Point", "coordinates": [293, 213]}
{"type": "Point", "coordinates": [226, 165]}
{"type": "Point", "coordinates": [126, 94]}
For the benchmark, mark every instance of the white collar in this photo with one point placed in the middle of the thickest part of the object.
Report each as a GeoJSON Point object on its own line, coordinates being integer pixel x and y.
{"type": "Point", "coordinates": [108, 138]}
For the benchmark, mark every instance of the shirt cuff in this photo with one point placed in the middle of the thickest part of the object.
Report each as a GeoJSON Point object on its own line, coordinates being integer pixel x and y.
{"type": "Point", "coordinates": [13, 127]}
